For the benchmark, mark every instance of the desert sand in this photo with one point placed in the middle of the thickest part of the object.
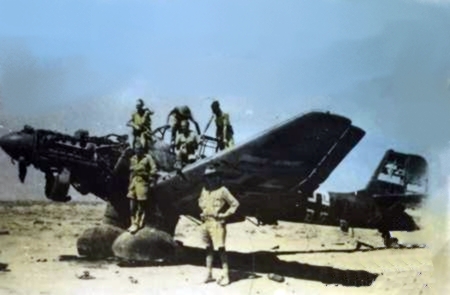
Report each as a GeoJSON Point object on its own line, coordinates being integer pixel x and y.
{"type": "Point", "coordinates": [312, 259]}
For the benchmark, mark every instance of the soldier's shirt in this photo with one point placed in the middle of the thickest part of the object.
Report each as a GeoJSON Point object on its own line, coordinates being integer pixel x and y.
{"type": "Point", "coordinates": [223, 121]}
{"type": "Point", "coordinates": [212, 202]}
{"type": "Point", "coordinates": [142, 170]}
{"type": "Point", "coordinates": [143, 121]}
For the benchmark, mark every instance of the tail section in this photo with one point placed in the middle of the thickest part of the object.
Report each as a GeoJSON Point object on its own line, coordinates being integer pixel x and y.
{"type": "Point", "coordinates": [399, 174]}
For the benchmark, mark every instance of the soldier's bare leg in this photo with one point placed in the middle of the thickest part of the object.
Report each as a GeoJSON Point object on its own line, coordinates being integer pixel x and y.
{"type": "Point", "coordinates": [133, 215]}
{"type": "Point", "coordinates": [225, 279]}
{"type": "Point", "coordinates": [140, 214]}
{"type": "Point", "coordinates": [230, 143]}
{"type": "Point", "coordinates": [209, 264]}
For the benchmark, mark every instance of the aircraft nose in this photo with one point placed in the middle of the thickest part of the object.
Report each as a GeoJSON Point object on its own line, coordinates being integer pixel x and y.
{"type": "Point", "coordinates": [17, 144]}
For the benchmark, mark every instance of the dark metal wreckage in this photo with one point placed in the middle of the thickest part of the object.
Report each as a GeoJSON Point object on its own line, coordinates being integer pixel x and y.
{"type": "Point", "coordinates": [275, 176]}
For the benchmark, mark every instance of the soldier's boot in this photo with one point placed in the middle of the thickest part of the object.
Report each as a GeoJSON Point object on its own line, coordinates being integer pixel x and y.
{"type": "Point", "coordinates": [229, 143]}
{"type": "Point", "coordinates": [140, 215]}
{"type": "Point", "coordinates": [133, 227]}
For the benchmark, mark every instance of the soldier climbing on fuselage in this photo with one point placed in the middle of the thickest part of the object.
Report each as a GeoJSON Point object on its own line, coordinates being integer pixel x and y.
{"type": "Point", "coordinates": [141, 122]}
{"type": "Point", "coordinates": [186, 144]}
{"type": "Point", "coordinates": [176, 116]}
{"type": "Point", "coordinates": [224, 130]}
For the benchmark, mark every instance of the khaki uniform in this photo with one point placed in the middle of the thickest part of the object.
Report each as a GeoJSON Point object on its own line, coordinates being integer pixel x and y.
{"type": "Point", "coordinates": [186, 145]}
{"type": "Point", "coordinates": [212, 203]}
{"type": "Point", "coordinates": [224, 131]}
{"type": "Point", "coordinates": [141, 174]}
{"type": "Point", "coordinates": [142, 127]}
{"type": "Point", "coordinates": [178, 115]}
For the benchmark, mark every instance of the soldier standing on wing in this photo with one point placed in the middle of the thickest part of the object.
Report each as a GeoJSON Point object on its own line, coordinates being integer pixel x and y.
{"type": "Point", "coordinates": [143, 176]}
{"type": "Point", "coordinates": [224, 130]}
{"type": "Point", "coordinates": [141, 122]}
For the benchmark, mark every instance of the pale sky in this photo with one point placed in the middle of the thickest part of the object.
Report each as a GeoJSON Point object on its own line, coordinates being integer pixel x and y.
{"type": "Point", "coordinates": [385, 64]}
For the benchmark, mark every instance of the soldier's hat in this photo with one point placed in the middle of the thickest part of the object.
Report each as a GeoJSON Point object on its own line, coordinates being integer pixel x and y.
{"type": "Point", "coordinates": [184, 110]}
{"type": "Point", "coordinates": [215, 104]}
{"type": "Point", "coordinates": [140, 102]}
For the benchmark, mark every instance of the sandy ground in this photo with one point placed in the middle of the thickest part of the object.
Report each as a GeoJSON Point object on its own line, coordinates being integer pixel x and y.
{"type": "Point", "coordinates": [312, 259]}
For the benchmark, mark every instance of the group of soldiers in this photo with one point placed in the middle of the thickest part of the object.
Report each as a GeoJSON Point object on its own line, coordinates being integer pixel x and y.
{"type": "Point", "coordinates": [184, 141]}
{"type": "Point", "coordinates": [214, 196]}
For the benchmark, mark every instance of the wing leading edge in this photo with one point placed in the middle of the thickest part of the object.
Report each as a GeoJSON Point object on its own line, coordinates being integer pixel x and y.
{"type": "Point", "coordinates": [296, 155]}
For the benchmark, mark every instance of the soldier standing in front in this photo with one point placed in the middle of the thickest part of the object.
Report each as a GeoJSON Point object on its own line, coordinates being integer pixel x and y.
{"type": "Point", "coordinates": [143, 176]}
{"type": "Point", "coordinates": [213, 200]}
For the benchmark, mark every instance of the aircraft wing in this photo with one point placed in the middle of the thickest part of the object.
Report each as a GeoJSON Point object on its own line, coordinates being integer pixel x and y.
{"type": "Point", "coordinates": [297, 155]}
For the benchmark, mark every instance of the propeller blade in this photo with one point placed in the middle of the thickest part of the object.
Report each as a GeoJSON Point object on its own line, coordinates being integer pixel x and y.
{"type": "Point", "coordinates": [22, 171]}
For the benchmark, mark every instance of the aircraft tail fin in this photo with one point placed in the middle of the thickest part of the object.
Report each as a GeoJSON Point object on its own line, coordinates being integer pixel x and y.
{"type": "Point", "coordinates": [399, 174]}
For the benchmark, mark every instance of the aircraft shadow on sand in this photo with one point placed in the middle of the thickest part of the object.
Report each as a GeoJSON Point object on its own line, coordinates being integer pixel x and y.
{"type": "Point", "coordinates": [268, 262]}
{"type": "Point", "coordinates": [250, 265]}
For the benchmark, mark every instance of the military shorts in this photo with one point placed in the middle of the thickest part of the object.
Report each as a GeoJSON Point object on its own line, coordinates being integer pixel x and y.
{"type": "Point", "coordinates": [213, 233]}
{"type": "Point", "coordinates": [138, 190]}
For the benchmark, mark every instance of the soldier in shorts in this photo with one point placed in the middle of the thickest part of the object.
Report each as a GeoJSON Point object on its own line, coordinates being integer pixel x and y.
{"type": "Point", "coordinates": [213, 199]}
{"type": "Point", "coordinates": [143, 176]}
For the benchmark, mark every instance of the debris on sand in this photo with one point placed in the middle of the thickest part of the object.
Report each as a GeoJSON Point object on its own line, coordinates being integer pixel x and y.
{"type": "Point", "coordinates": [275, 277]}
{"type": "Point", "coordinates": [38, 221]}
{"type": "Point", "coordinates": [68, 258]}
{"type": "Point", "coordinates": [86, 276]}
{"type": "Point", "coordinates": [3, 232]}
{"type": "Point", "coordinates": [41, 260]}
{"type": "Point", "coordinates": [3, 267]}
{"type": "Point", "coordinates": [360, 244]}
{"type": "Point", "coordinates": [133, 280]}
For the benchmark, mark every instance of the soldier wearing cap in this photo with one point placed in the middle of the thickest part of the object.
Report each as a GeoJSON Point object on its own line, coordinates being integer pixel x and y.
{"type": "Point", "coordinates": [176, 116]}
{"type": "Point", "coordinates": [213, 201]}
{"type": "Point", "coordinates": [186, 144]}
{"type": "Point", "coordinates": [141, 123]}
{"type": "Point", "coordinates": [224, 130]}
{"type": "Point", "coordinates": [142, 177]}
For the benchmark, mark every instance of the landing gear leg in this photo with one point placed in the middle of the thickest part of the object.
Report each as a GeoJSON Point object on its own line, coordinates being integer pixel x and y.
{"type": "Point", "coordinates": [388, 240]}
